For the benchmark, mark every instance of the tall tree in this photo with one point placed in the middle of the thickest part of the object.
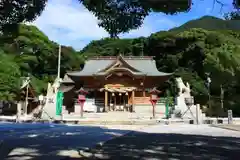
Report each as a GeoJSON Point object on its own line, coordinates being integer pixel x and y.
{"type": "Point", "coordinates": [10, 75]}
{"type": "Point", "coordinates": [120, 16]}
{"type": "Point", "coordinates": [13, 12]}
{"type": "Point", "coordinates": [117, 16]}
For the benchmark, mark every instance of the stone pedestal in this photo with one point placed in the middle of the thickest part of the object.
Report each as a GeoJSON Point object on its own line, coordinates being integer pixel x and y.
{"type": "Point", "coordinates": [19, 112]}
{"type": "Point", "coordinates": [77, 109]}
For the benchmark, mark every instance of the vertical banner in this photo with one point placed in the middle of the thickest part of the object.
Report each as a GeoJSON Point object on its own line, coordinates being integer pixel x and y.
{"type": "Point", "coordinates": [59, 103]}
{"type": "Point", "coordinates": [167, 109]}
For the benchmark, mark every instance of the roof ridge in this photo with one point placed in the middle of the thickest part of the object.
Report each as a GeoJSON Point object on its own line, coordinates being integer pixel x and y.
{"type": "Point", "coordinates": [124, 57]}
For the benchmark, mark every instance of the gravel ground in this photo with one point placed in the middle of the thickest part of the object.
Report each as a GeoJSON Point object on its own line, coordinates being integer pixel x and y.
{"type": "Point", "coordinates": [172, 142]}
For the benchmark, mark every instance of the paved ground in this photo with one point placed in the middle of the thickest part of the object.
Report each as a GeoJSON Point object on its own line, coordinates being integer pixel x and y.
{"type": "Point", "coordinates": [48, 141]}
{"type": "Point", "coordinates": [175, 141]}
{"type": "Point", "coordinates": [172, 142]}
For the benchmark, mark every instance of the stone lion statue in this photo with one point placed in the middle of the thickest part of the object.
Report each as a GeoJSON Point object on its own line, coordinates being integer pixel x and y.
{"type": "Point", "coordinates": [183, 89]}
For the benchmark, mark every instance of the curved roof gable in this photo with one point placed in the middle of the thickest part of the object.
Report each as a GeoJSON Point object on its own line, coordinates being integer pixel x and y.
{"type": "Point", "coordinates": [138, 65]}
{"type": "Point", "coordinates": [119, 62]}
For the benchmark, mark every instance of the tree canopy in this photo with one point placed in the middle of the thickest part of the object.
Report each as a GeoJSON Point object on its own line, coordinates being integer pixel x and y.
{"type": "Point", "coordinates": [115, 16]}
{"type": "Point", "coordinates": [10, 74]}
{"type": "Point", "coordinates": [120, 16]}
{"type": "Point", "coordinates": [31, 52]}
{"type": "Point", "coordinates": [13, 12]}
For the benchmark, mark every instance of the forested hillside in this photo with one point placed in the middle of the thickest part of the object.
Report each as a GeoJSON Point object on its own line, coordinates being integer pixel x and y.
{"type": "Point", "coordinates": [31, 52]}
{"type": "Point", "coordinates": [188, 51]}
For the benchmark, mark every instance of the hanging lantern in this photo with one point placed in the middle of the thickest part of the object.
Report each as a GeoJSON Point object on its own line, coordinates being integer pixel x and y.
{"type": "Point", "coordinates": [120, 94]}
{"type": "Point", "coordinates": [126, 93]}
{"type": "Point", "coordinates": [113, 94]}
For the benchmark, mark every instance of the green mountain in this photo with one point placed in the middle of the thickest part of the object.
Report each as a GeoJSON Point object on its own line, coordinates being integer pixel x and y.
{"type": "Point", "coordinates": [210, 23]}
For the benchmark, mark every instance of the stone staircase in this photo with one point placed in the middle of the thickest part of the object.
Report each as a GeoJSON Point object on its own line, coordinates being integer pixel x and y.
{"type": "Point", "coordinates": [109, 116]}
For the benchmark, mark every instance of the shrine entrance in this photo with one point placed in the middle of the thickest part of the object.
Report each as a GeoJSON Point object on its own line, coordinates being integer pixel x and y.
{"type": "Point", "coordinates": [118, 97]}
{"type": "Point", "coordinates": [118, 101]}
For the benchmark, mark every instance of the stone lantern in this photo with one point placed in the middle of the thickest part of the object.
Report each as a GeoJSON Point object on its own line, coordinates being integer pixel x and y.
{"type": "Point", "coordinates": [153, 99]}
{"type": "Point", "coordinates": [82, 99]}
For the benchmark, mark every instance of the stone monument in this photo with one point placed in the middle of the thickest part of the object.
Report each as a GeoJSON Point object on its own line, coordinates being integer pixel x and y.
{"type": "Point", "coordinates": [49, 108]}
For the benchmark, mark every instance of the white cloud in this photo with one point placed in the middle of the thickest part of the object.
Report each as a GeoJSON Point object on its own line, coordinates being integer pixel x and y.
{"type": "Point", "coordinates": [63, 21]}
{"type": "Point", "coordinates": [69, 23]}
{"type": "Point", "coordinates": [144, 31]}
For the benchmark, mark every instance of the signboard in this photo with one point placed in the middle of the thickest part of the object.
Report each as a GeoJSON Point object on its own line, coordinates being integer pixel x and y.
{"type": "Point", "coordinates": [50, 100]}
{"type": "Point", "coordinates": [81, 97]}
{"type": "Point", "coordinates": [114, 86]}
{"type": "Point", "coordinates": [59, 103]}
{"type": "Point", "coordinates": [230, 117]}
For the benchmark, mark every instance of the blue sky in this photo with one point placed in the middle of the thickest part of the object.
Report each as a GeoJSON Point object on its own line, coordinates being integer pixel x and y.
{"type": "Point", "coordinates": [70, 23]}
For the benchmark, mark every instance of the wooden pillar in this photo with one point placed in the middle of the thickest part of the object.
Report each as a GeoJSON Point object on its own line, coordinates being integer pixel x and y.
{"type": "Point", "coordinates": [95, 95]}
{"type": "Point", "coordinates": [115, 102]}
{"type": "Point", "coordinates": [110, 101]}
{"type": "Point", "coordinates": [133, 103]}
{"type": "Point", "coordinates": [144, 93]}
{"type": "Point", "coordinates": [106, 101]}
{"type": "Point", "coordinates": [129, 98]}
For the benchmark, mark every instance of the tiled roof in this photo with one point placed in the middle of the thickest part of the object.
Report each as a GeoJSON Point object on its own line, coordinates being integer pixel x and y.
{"type": "Point", "coordinates": [146, 66]}
{"type": "Point", "coordinates": [91, 67]}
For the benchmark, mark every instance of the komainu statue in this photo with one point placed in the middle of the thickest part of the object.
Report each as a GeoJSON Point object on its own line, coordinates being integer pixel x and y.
{"type": "Point", "coordinates": [183, 89]}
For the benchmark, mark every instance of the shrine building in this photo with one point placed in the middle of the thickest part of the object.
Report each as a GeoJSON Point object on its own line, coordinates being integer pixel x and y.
{"type": "Point", "coordinates": [114, 83]}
